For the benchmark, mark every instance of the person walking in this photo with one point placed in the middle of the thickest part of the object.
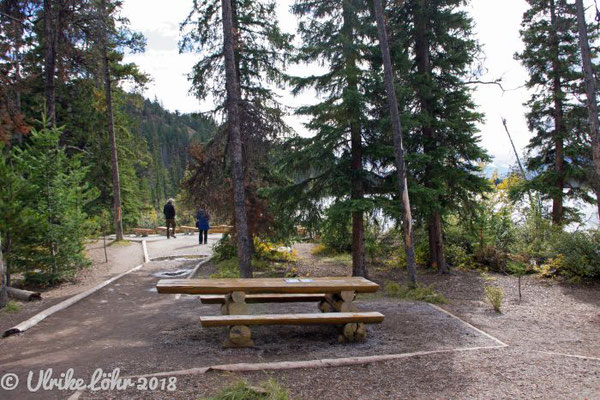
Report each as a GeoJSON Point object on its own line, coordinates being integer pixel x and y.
{"type": "Point", "coordinates": [169, 211]}
{"type": "Point", "coordinates": [203, 225]}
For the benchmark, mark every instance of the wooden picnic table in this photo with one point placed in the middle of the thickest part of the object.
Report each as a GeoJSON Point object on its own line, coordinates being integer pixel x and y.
{"type": "Point", "coordinates": [335, 295]}
{"type": "Point", "coordinates": [267, 285]}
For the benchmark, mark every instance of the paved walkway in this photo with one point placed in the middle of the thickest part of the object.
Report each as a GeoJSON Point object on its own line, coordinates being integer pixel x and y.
{"type": "Point", "coordinates": [182, 245]}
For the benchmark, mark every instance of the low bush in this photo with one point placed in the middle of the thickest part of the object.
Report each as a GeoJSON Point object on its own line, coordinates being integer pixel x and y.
{"type": "Point", "coordinates": [227, 269]}
{"type": "Point", "coordinates": [225, 249]}
{"type": "Point", "coordinates": [12, 307]}
{"type": "Point", "coordinates": [495, 295]}
{"type": "Point", "coordinates": [420, 293]}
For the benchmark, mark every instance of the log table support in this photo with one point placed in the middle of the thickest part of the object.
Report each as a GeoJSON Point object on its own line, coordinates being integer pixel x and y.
{"type": "Point", "coordinates": [344, 302]}
{"type": "Point", "coordinates": [238, 335]}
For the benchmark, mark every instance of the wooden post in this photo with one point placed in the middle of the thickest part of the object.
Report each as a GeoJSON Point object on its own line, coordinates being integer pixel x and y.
{"type": "Point", "coordinates": [105, 253]}
{"type": "Point", "coordinates": [238, 335]}
{"type": "Point", "coordinates": [3, 293]}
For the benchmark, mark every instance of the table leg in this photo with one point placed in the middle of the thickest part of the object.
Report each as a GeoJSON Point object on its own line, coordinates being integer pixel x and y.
{"type": "Point", "coordinates": [344, 302]}
{"type": "Point", "coordinates": [238, 335]}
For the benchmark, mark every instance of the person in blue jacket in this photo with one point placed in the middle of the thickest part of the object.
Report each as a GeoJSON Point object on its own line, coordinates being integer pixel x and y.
{"type": "Point", "coordinates": [203, 225]}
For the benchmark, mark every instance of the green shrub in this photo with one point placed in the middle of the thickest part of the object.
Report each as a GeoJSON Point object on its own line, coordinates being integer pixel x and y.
{"type": "Point", "coordinates": [458, 257]}
{"type": "Point", "coordinates": [227, 269]}
{"type": "Point", "coordinates": [577, 255]}
{"type": "Point", "coordinates": [43, 279]}
{"type": "Point", "coordinates": [269, 390]}
{"type": "Point", "coordinates": [495, 295]}
{"type": "Point", "coordinates": [420, 293]}
{"type": "Point", "coordinates": [12, 307]}
{"type": "Point", "coordinates": [225, 249]}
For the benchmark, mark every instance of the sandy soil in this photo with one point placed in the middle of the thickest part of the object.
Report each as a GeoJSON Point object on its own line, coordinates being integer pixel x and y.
{"type": "Point", "coordinates": [127, 325]}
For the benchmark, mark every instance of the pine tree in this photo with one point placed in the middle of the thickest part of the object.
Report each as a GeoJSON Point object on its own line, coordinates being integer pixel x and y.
{"type": "Point", "coordinates": [259, 52]}
{"type": "Point", "coordinates": [557, 153]}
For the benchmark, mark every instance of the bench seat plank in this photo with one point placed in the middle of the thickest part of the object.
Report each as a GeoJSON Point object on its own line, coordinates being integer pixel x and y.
{"type": "Point", "coordinates": [265, 285]}
{"type": "Point", "coordinates": [293, 319]}
{"type": "Point", "coordinates": [266, 298]}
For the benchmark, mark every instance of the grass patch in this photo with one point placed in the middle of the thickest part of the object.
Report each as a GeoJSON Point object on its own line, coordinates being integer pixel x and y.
{"type": "Point", "coordinates": [120, 243]}
{"type": "Point", "coordinates": [331, 256]}
{"type": "Point", "coordinates": [227, 269]}
{"type": "Point", "coordinates": [12, 307]}
{"type": "Point", "coordinates": [420, 293]}
{"type": "Point", "coordinates": [230, 268]}
{"type": "Point", "coordinates": [268, 390]}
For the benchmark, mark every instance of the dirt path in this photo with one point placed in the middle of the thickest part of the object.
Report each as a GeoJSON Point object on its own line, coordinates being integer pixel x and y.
{"type": "Point", "coordinates": [121, 257]}
{"type": "Point", "coordinates": [127, 325]}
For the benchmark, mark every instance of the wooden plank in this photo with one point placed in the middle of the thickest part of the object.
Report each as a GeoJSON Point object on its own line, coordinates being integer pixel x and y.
{"type": "Point", "coordinates": [266, 285]}
{"type": "Point", "coordinates": [266, 298]}
{"type": "Point", "coordinates": [293, 319]}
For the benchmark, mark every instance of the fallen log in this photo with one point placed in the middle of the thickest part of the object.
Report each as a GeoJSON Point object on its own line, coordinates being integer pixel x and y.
{"type": "Point", "coordinates": [23, 295]}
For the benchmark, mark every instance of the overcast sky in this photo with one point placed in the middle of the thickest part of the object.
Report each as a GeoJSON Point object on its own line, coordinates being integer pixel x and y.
{"type": "Point", "coordinates": [497, 29]}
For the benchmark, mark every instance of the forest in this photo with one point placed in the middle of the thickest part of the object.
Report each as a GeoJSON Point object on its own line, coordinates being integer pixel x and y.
{"type": "Point", "coordinates": [393, 172]}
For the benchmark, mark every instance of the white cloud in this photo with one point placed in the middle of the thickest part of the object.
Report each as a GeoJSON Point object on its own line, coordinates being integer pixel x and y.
{"type": "Point", "coordinates": [497, 28]}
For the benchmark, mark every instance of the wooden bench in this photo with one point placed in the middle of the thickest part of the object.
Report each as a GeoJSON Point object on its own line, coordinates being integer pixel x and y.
{"type": "Point", "coordinates": [188, 229]}
{"type": "Point", "coordinates": [220, 229]}
{"type": "Point", "coordinates": [335, 296]}
{"type": "Point", "coordinates": [163, 230]}
{"type": "Point", "coordinates": [143, 231]}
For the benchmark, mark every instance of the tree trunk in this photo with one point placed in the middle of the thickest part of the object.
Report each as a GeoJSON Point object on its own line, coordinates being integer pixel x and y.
{"type": "Point", "coordinates": [3, 284]}
{"type": "Point", "coordinates": [398, 147]}
{"type": "Point", "coordinates": [559, 161]}
{"type": "Point", "coordinates": [590, 90]}
{"type": "Point", "coordinates": [235, 140]}
{"type": "Point", "coordinates": [353, 110]}
{"type": "Point", "coordinates": [50, 42]}
{"type": "Point", "coordinates": [422, 50]}
{"type": "Point", "coordinates": [110, 126]}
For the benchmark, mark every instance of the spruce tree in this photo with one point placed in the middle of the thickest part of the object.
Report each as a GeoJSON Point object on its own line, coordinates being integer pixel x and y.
{"type": "Point", "coordinates": [435, 53]}
{"type": "Point", "coordinates": [590, 91]}
{"type": "Point", "coordinates": [338, 35]}
{"type": "Point", "coordinates": [558, 153]}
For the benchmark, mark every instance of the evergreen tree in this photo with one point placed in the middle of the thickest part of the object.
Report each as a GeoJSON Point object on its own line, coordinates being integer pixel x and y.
{"type": "Point", "coordinates": [590, 91]}
{"type": "Point", "coordinates": [398, 146]}
{"type": "Point", "coordinates": [333, 163]}
{"type": "Point", "coordinates": [435, 53]}
{"type": "Point", "coordinates": [260, 50]}
{"type": "Point", "coordinates": [558, 153]}
{"type": "Point", "coordinates": [51, 208]}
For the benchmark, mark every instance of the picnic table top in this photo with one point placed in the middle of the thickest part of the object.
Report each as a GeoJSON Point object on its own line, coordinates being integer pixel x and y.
{"type": "Point", "coordinates": [267, 285]}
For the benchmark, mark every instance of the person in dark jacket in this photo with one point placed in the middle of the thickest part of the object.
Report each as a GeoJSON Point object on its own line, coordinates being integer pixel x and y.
{"type": "Point", "coordinates": [169, 211]}
{"type": "Point", "coordinates": [203, 225]}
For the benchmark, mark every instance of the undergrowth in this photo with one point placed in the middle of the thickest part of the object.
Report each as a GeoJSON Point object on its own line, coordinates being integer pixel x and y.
{"type": "Point", "coordinates": [420, 293]}
{"type": "Point", "coordinates": [242, 390]}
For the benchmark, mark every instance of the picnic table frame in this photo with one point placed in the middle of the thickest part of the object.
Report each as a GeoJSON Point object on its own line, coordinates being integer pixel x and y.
{"type": "Point", "coordinates": [336, 303]}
